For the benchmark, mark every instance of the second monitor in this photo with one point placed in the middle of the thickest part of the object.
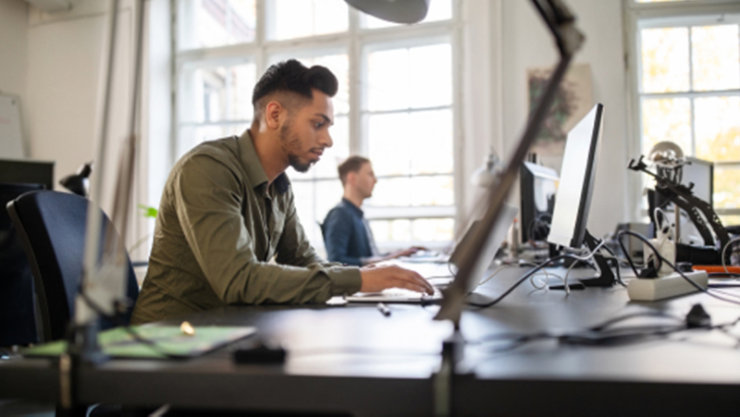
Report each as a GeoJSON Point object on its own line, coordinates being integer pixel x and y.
{"type": "Point", "coordinates": [573, 199]}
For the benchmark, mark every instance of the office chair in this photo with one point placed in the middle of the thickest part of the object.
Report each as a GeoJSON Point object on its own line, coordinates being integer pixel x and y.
{"type": "Point", "coordinates": [17, 316]}
{"type": "Point", "coordinates": [52, 226]}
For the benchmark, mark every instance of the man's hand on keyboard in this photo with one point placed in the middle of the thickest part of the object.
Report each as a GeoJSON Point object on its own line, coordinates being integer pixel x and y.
{"type": "Point", "coordinates": [378, 278]}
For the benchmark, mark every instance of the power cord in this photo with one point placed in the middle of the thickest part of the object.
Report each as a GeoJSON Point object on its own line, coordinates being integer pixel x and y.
{"type": "Point", "coordinates": [606, 334]}
{"type": "Point", "coordinates": [662, 260]}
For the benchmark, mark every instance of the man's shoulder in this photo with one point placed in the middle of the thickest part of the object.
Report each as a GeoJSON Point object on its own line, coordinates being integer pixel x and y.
{"type": "Point", "coordinates": [211, 154]}
{"type": "Point", "coordinates": [223, 148]}
{"type": "Point", "coordinates": [340, 211]}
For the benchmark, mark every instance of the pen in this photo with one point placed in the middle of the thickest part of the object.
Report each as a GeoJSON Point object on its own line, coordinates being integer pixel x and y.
{"type": "Point", "coordinates": [384, 310]}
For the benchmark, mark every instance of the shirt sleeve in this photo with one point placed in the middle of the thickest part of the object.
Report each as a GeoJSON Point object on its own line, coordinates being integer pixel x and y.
{"type": "Point", "coordinates": [209, 207]}
{"type": "Point", "coordinates": [337, 228]}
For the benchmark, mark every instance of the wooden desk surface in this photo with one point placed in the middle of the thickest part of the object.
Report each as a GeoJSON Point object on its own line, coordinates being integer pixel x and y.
{"type": "Point", "coordinates": [354, 359]}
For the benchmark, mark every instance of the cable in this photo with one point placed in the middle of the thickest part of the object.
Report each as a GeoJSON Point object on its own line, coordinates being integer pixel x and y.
{"type": "Point", "coordinates": [519, 282]}
{"type": "Point", "coordinates": [616, 267]}
{"type": "Point", "coordinates": [644, 240]}
{"type": "Point", "coordinates": [605, 334]}
{"type": "Point", "coordinates": [675, 268]}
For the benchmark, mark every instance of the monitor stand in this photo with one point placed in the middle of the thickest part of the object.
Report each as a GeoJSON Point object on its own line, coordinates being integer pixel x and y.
{"type": "Point", "coordinates": [606, 276]}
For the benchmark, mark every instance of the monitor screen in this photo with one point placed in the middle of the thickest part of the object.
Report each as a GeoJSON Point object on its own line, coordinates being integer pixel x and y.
{"type": "Point", "coordinates": [537, 187]}
{"type": "Point", "coordinates": [568, 227]}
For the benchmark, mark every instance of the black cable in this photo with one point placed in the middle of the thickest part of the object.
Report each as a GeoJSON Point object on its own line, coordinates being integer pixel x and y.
{"type": "Point", "coordinates": [644, 240]}
{"type": "Point", "coordinates": [616, 267]}
{"type": "Point", "coordinates": [520, 281]}
{"type": "Point", "coordinates": [675, 268]}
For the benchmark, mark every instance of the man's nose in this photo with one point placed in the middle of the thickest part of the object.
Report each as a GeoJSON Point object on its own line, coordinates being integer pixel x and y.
{"type": "Point", "coordinates": [326, 140]}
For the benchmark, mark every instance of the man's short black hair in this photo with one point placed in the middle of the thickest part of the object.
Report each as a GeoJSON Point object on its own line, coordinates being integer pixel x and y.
{"type": "Point", "coordinates": [352, 164]}
{"type": "Point", "coordinates": [292, 76]}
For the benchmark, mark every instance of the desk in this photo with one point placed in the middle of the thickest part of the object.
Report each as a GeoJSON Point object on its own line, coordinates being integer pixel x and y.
{"type": "Point", "coordinates": [355, 360]}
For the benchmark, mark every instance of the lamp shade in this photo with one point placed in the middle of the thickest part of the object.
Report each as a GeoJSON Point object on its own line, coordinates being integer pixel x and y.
{"type": "Point", "coordinates": [398, 11]}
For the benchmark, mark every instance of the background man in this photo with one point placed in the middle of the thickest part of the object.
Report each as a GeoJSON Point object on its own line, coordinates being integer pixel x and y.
{"type": "Point", "coordinates": [347, 236]}
{"type": "Point", "coordinates": [227, 231]}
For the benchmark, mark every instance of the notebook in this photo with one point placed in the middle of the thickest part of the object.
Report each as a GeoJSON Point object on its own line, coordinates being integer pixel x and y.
{"type": "Point", "coordinates": [435, 269]}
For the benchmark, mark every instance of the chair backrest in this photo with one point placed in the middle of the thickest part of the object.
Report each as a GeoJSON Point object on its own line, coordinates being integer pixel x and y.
{"type": "Point", "coordinates": [17, 316]}
{"type": "Point", "coordinates": [52, 226]}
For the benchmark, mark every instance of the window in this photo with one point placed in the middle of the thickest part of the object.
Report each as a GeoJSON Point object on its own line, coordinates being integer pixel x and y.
{"type": "Point", "coordinates": [688, 87]}
{"type": "Point", "coordinates": [394, 105]}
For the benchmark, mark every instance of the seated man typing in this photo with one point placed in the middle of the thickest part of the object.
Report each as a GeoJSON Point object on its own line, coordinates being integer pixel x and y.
{"type": "Point", "coordinates": [347, 236]}
{"type": "Point", "coordinates": [227, 231]}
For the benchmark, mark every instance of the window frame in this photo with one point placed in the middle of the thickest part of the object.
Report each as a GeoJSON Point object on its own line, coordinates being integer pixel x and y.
{"type": "Point", "coordinates": [356, 42]}
{"type": "Point", "coordinates": [658, 14]}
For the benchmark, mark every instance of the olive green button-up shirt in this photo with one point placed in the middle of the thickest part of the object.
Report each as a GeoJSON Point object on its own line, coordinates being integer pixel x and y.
{"type": "Point", "coordinates": [224, 236]}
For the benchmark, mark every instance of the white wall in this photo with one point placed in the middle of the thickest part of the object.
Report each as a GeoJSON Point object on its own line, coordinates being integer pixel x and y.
{"type": "Point", "coordinates": [14, 52]}
{"type": "Point", "coordinates": [56, 63]}
{"type": "Point", "coordinates": [526, 44]}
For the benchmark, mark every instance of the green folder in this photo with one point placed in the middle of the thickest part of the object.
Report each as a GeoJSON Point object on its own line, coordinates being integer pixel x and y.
{"type": "Point", "coordinates": [154, 341]}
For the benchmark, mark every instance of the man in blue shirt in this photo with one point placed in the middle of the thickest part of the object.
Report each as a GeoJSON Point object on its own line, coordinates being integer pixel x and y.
{"type": "Point", "coordinates": [347, 236]}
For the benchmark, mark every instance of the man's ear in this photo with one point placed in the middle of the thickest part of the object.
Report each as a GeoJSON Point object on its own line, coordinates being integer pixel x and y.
{"type": "Point", "coordinates": [274, 114]}
{"type": "Point", "coordinates": [351, 177]}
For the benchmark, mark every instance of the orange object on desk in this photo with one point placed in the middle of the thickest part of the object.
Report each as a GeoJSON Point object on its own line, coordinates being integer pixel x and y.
{"type": "Point", "coordinates": [717, 269]}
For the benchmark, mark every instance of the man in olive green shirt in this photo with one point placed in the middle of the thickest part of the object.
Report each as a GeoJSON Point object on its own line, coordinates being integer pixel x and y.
{"type": "Point", "coordinates": [227, 231]}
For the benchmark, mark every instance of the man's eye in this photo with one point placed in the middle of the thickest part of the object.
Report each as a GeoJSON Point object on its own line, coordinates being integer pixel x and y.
{"type": "Point", "coordinates": [319, 125]}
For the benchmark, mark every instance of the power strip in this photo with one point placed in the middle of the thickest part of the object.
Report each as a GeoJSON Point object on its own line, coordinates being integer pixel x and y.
{"type": "Point", "coordinates": [673, 285]}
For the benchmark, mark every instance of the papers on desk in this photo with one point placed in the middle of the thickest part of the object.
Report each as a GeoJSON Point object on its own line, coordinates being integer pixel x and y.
{"type": "Point", "coordinates": [170, 341]}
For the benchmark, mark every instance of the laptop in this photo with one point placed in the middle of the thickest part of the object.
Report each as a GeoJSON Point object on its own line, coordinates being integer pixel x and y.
{"type": "Point", "coordinates": [435, 269]}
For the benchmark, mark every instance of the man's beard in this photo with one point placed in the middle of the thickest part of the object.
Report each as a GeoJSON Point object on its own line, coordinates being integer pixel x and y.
{"type": "Point", "coordinates": [290, 144]}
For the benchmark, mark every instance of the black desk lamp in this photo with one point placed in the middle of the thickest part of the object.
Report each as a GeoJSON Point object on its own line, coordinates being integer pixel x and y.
{"type": "Point", "coordinates": [397, 11]}
{"type": "Point", "coordinates": [77, 182]}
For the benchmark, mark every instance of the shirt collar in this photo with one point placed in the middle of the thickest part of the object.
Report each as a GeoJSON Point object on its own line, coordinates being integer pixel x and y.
{"type": "Point", "coordinates": [253, 167]}
{"type": "Point", "coordinates": [353, 207]}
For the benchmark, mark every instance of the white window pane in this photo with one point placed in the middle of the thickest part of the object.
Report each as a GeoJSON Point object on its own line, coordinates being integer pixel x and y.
{"type": "Point", "coordinates": [717, 128]}
{"type": "Point", "coordinates": [438, 10]}
{"type": "Point", "coordinates": [211, 92]}
{"type": "Point", "coordinates": [715, 57]}
{"type": "Point", "coordinates": [413, 191]}
{"type": "Point", "coordinates": [665, 59]}
{"type": "Point", "coordinates": [409, 77]}
{"type": "Point", "coordinates": [288, 19]}
{"type": "Point", "coordinates": [726, 188]}
{"type": "Point", "coordinates": [391, 192]}
{"type": "Point", "coordinates": [391, 231]}
{"type": "Point", "coordinates": [432, 230]}
{"type": "Point", "coordinates": [337, 63]}
{"type": "Point", "coordinates": [666, 119]}
{"type": "Point", "coordinates": [210, 23]}
{"type": "Point", "coordinates": [189, 136]}
{"type": "Point", "coordinates": [421, 142]}
{"type": "Point", "coordinates": [328, 194]}
{"type": "Point", "coordinates": [313, 199]}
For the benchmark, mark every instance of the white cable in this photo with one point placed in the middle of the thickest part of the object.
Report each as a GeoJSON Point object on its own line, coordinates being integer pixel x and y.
{"type": "Point", "coordinates": [586, 258]}
{"type": "Point", "coordinates": [488, 278]}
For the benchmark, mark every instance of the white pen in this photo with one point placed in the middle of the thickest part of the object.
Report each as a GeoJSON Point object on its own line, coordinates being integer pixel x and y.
{"type": "Point", "coordinates": [384, 310]}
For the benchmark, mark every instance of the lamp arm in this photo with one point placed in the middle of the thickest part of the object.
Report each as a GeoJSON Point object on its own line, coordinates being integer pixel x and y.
{"type": "Point", "coordinates": [561, 24]}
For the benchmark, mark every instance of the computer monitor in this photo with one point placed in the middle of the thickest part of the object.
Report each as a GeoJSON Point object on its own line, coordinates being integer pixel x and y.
{"type": "Point", "coordinates": [573, 198]}
{"type": "Point", "coordinates": [537, 187]}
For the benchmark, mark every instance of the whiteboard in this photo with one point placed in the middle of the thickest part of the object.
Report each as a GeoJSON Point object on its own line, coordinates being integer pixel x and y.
{"type": "Point", "coordinates": [11, 142]}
